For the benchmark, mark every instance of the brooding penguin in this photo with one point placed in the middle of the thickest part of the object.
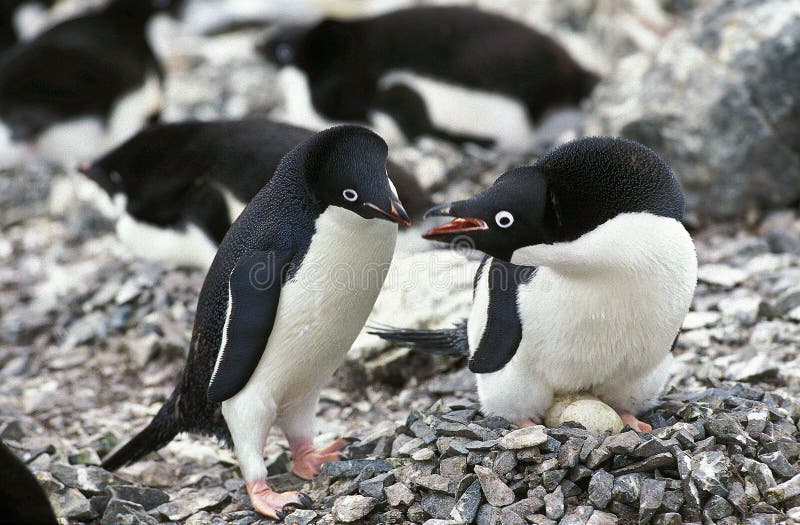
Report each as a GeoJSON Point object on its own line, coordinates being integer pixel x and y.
{"type": "Point", "coordinates": [22, 499]}
{"type": "Point", "coordinates": [80, 86]}
{"type": "Point", "coordinates": [454, 72]}
{"type": "Point", "coordinates": [289, 290]}
{"type": "Point", "coordinates": [600, 278]}
{"type": "Point", "coordinates": [181, 185]}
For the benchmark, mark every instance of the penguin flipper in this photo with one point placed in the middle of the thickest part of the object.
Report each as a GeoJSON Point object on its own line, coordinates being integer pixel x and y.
{"type": "Point", "coordinates": [444, 341]}
{"type": "Point", "coordinates": [254, 288]}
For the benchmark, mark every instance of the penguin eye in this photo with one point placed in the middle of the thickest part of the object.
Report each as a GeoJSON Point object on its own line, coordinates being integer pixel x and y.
{"type": "Point", "coordinates": [284, 53]}
{"type": "Point", "coordinates": [350, 195]}
{"type": "Point", "coordinates": [504, 219]}
{"type": "Point", "coordinates": [115, 177]}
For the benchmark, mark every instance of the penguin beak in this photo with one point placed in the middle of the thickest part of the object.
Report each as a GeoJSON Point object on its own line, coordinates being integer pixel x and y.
{"type": "Point", "coordinates": [395, 213]}
{"type": "Point", "coordinates": [457, 226]}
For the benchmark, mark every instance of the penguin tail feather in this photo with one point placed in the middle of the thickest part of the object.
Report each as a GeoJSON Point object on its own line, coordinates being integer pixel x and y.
{"type": "Point", "coordinates": [160, 431]}
{"type": "Point", "coordinates": [443, 341]}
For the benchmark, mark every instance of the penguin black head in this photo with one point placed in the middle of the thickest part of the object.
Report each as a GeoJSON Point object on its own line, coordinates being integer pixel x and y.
{"type": "Point", "coordinates": [284, 46]}
{"type": "Point", "coordinates": [347, 168]}
{"type": "Point", "coordinates": [310, 47]}
{"type": "Point", "coordinates": [568, 192]}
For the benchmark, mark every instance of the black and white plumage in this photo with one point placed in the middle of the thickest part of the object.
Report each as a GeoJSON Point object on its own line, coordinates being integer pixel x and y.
{"type": "Point", "coordinates": [22, 499]}
{"type": "Point", "coordinates": [289, 290]}
{"type": "Point", "coordinates": [80, 86]}
{"type": "Point", "coordinates": [10, 13]}
{"type": "Point", "coordinates": [600, 278]}
{"type": "Point", "coordinates": [181, 185]}
{"type": "Point", "coordinates": [453, 72]}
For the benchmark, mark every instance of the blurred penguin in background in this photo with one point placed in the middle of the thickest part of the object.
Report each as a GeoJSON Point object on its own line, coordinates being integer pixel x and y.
{"type": "Point", "coordinates": [456, 73]}
{"type": "Point", "coordinates": [22, 499]}
{"type": "Point", "coordinates": [81, 86]}
{"type": "Point", "coordinates": [15, 16]}
{"type": "Point", "coordinates": [176, 188]}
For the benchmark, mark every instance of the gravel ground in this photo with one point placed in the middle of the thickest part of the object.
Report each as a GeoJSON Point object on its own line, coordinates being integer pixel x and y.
{"type": "Point", "coordinates": [93, 340]}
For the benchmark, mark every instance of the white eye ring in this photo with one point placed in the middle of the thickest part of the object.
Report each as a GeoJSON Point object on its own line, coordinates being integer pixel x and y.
{"type": "Point", "coordinates": [504, 219]}
{"type": "Point", "coordinates": [350, 195]}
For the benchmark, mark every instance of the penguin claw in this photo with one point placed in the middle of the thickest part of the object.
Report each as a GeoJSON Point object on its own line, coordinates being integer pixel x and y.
{"type": "Point", "coordinates": [633, 422]}
{"type": "Point", "coordinates": [274, 505]}
{"type": "Point", "coordinates": [307, 461]}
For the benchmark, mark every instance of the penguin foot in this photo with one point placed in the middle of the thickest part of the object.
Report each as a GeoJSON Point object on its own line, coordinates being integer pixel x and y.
{"type": "Point", "coordinates": [307, 461]}
{"type": "Point", "coordinates": [275, 505]}
{"type": "Point", "coordinates": [631, 420]}
{"type": "Point", "coordinates": [525, 423]}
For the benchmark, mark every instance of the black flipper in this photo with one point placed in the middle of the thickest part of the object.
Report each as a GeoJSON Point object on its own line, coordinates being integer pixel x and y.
{"type": "Point", "coordinates": [446, 341]}
{"type": "Point", "coordinates": [22, 499]}
{"type": "Point", "coordinates": [503, 330]}
{"type": "Point", "coordinates": [161, 430]}
{"type": "Point", "coordinates": [255, 288]}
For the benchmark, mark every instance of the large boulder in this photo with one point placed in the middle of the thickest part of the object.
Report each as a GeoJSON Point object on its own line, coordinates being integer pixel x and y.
{"type": "Point", "coordinates": [720, 100]}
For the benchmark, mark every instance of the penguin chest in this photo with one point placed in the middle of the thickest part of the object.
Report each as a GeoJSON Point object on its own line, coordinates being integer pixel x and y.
{"type": "Point", "coordinates": [324, 306]}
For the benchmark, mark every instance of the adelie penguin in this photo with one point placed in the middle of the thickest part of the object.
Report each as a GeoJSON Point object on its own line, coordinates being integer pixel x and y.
{"type": "Point", "coordinates": [80, 86]}
{"type": "Point", "coordinates": [275, 317]}
{"type": "Point", "coordinates": [179, 186]}
{"type": "Point", "coordinates": [600, 278]}
{"type": "Point", "coordinates": [454, 72]}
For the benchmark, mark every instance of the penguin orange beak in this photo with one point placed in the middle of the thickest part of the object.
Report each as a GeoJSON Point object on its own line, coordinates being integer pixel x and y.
{"type": "Point", "coordinates": [395, 213]}
{"type": "Point", "coordinates": [457, 226]}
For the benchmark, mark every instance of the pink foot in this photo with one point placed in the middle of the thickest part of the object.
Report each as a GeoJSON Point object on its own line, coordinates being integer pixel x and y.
{"type": "Point", "coordinates": [524, 423]}
{"type": "Point", "coordinates": [271, 503]}
{"type": "Point", "coordinates": [631, 420]}
{"type": "Point", "coordinates": [307, 461]}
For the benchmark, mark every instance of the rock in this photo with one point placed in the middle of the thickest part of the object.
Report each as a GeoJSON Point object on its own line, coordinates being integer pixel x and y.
{"type": "Point", "coordinates": [423, 454]}
{"type": "Point", "coordinates": [189, 501]}
{"type": "Point", "coordinates": [600, 487]}
{"type": "Point", "coordinates": [594, 415]}
{"type": "Point", "coordinates": [120, 512]}
{"type": "Point", "coordinates": [352, 508]}
{"type": "Point", "coordinates": [717, 508]}
{"type": "Point", "coordinates": [523, 438]}
{"type": "Point", "coordinates": [627, 488]}
{"type": "Point", "coordinates": [453, 468]}
{"type": "Point", "coordinates": [375, 487]}
{"type": "Point", "coordinates": [300, 517]}
{"type": "Point", "coordinates": [602, 518]}
{"type": "Point", "coordinates": [715, 100]}
{"type": "Point", "coordinates": [438, 505]}
{"type": "Point", "coordinates": [89, 480]}
{"type": "Point", "coordinates": [695, 320]}
{"type": "Point", "coordinates": [399, 494]}
{"type": "Point", "coordinates": [433, 482]}
{"type": "Point", "coordinates": [622, 443]}
{"type": "Point", "coordinates": [650, 498]}
{"type": "Point", "coordinates": [721, 275]}
{"type": "Point", "coordinates": [352, 468]}
{"type": "Point", "coordinates": [147, 497]}
{"type": "Point", "coordinates": [497, 493]}
{"type": "Point", "coordinates": [784, 491]}
{"type": "Point", "coordinates": [554, 504]}
{"type": "Point", "coordinates": [711, 472]}
{"type": "Point", "coordinates": [668, 518]}
{"type": "Point", "coordinates": [779, 464]}
{"type": "Point", "coordinates": [467, 505]}
{"type": "Point", "coordinates": [71, 504]}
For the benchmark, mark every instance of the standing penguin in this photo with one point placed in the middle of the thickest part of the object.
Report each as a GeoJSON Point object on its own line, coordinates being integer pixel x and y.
{"type": "Point", "coordinates": [182, 184]}
{"type": "Point", "coordinates": [453, 72]}
{"type": "Point", "coordinates": [289, 290]}
{"type": "Point", "coordinates": [600, 278]}
{"type": "Point", "coordinates": [80, 86]}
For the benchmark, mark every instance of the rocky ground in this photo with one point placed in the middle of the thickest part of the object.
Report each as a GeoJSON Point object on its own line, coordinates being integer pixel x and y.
{"type": "Point", "coordinates": [92, 341]}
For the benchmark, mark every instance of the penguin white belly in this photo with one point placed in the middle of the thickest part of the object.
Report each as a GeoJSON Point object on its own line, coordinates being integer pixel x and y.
{"type": "Point", "coordinates": [297, 106]}
{"type": "Point", "coordinates": [79, 139]}
{"type": "Point", "coordinates": [323, 308]}
{"type": "Point", "coordinates": [468, 111]}
{"type": "Point", "coordinates": [606, 332]}
{"type": "Point", "coordinates": [189, 246]}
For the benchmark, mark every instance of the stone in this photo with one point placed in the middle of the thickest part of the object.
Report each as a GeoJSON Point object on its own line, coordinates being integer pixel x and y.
{"type": "Point", "coordinates": [438, 505]}
{"type": "Point", "coordinates": [453, 468]}
{"type": "Point", "coordinates": [300, 517]}
{"type": "Point", "coordinates": [148, 498]}
{"type": "Point", "coordinates": [594, 415]}
{"type": "Point", "coordinates": [497, 493]}
{"type": "Point", "coordinates": [523, 438]}
{"type": "Point", "coordinates": [505, 462]}
{"type": "Point", "coordinates": [778, 463]}
{"type": "Point", "coordinates": [650, 498]}
{"type": "Point", "coordinates": [714, 99]}
{"type": "Point", "coordinates": [784, 491]}
{"type": "Point", "coordinates": [353, 467]}
{"type": "Point", "coordinates": [760, 474]}
{"type": "Point", "coordinates": [399, 494]}
{"type": "Point", "coordinates": [668, 518]}
{"type": "Point", "coordinates": [348, 509]}
{"type": "Point", "coordinates": [711, 472]}
{"type": "Point", "coordinates": [190, 501]}
{"type": "Point", "coordinates": [602, 518]}
{"type": "Point", "coordinates": [126, 512]}
{"type": "Point", "coordinates": [374, 487]}
{"type": "Point", "coordinates": [71, 504]}
{"type": "Point", "coordinates": [717, 508]}
{"type": "Point", "coordinates": [466, 507]}
{"type": "Point", "coordinates": [627, 488]}
{"type": "Point", "coordinates": [554, 504]}
{"type": "Point", "coordinates": [90, 479]}
{"type": "Point", "coordinates": [433, 482]}
{"type": "Point", "coordinates": [423, 454]}
{"type": "Point", "coordinates": [655, 461]}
